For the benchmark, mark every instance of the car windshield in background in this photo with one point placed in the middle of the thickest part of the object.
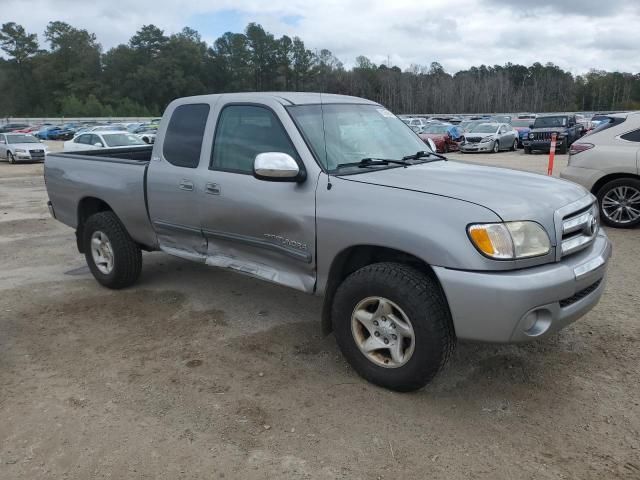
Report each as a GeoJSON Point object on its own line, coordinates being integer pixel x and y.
{"type": "Point", "coordinates": [484, 128]}
{"type": "Point", "coordinates": [521, 123]}
{"type": "Point", "coordinates": [436, 129]}
{"type": "Point", "coordinates": [347, 133]}
{"type": "Point", "coordinates": [22, 139]}
{"type": "Point", "coordinates": [550, 122]}
{"type": "Point", "coordinates": [122, 140]}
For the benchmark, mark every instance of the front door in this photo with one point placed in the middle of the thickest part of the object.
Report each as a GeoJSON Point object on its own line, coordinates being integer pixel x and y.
{"type": "Point", "coordinates": [171, 183]}
{"type": "Point", "coordinates": [262, 228]}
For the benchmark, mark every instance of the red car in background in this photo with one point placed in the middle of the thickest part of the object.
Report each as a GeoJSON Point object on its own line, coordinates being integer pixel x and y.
{"type": "Point", "coordinates": [441, 136]}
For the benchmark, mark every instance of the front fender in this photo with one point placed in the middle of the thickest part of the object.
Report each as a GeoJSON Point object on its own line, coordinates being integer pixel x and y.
{"type": "Point", "coordinates": [427, 226]}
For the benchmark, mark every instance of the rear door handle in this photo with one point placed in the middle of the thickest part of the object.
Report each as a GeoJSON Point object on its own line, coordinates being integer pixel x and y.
{"type": "Point", "coordinates": [186, 185]}
{"type": "Point", "coordinates": [212, 188]}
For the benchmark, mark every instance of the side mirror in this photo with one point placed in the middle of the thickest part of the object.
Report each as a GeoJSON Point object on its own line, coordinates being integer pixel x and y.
{"type": "Point", "coordinates": [277, 167]}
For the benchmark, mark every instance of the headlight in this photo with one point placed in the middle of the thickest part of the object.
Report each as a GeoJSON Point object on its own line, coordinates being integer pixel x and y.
{"type": "Point", "coordinates": [486, 139]}
{"type": "Point", "coordinates": [531, 136]}
{"type": "Point", "coordinates": [20, 150]}
{"type": "Point", "coordinates": [510, 240]}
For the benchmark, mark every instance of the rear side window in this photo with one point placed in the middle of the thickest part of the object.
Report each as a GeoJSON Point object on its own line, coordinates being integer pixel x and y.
{"type": "Point", "coordinates": [607, 122]}
{"type": "Point", "coordinates": [632, 136]}
{"type": "Point", "coordinates": [183, 140]}
{"type": "Point", "coordinates": [243, 132]}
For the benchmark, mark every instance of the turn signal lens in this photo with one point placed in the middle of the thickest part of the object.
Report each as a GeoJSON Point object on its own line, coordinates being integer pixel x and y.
{"type": "Point", "coordinates": [493, 240]}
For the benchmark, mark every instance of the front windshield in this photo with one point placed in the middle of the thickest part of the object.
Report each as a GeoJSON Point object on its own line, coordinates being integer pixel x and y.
{"type": "Point", "coordinates": [122, 140]}
{"type": "Point", "coordinates": [351, 132]}
{"type": "Point", "coordinates": [436, 129]}
{"type": "Point", "coordinates": [22, 139]}
{"type": "Point", "coordinates": [546, 122]}
{"type": "Point", "coordinates": [522, 123]}
{"type": "Point", "coordinates": [484, 128]}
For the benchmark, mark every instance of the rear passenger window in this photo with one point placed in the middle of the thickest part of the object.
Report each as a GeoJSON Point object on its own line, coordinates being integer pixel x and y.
{"type": "Point", "coordinates": [243, 132]}
{"type": "Point", "coordinates": [183, 140]}
{"type": "Point", "coordinates": [631, 136]}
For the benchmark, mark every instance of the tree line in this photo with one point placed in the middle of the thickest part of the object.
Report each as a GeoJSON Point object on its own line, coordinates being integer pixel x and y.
{"type": "Point", "coordinates": [72, 76]}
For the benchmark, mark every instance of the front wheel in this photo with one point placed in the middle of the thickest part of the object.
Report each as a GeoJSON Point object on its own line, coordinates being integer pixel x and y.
{"type": "Point", "coordinates": [619, 202]}
{"type": "Point", "coordinates": [114, 259]}
{"type": "Point", "coordinates": [496, 146]}
{"type": "Point", "coordinates": [527, 150]}
{"type": "Point", "coordinates": [514, 147]}
{"type": "Point", "coordinates": [393, 325]}
{"type": "Point", "coordinates": [11, 158]}
{"type": "Point", "coordinates": [563, 148]}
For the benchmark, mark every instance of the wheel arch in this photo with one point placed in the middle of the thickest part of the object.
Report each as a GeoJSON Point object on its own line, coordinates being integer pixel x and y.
{"type": "Point", "coordinates": [88, 206]}
{"type": "Point", "coordinates": [355, 257]}
{"type": "Point", "coordinates": [601, 182]}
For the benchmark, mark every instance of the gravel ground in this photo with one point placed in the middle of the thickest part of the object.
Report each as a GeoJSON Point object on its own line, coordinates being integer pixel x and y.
{"type": "Point", "coordinates": [201, 373]}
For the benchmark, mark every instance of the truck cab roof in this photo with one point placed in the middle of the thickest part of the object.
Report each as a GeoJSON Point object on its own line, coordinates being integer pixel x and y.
{"type": "Point", "coordinates": [285, 98]}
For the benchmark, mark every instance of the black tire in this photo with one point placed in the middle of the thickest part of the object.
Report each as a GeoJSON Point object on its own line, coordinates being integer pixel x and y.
{"type": "Point", "coordinates": [127, 256]}
{"type": "Point", "coordinates": [608, 187]}
{"type": "Point", "coordinates": [514, 147]}
{"type": "Point", "coordinates": [445, 148]}
{"type": "Point", "coordinates": [496, 147]}
{"type": "Point", "coordinates": [527, 150]}
{"type": "Point", "coordinates": [11, 158]}
{"type": "Point", "coordinates": [563, 149]}
{"type": "Point", "coordinates": [421, 299]}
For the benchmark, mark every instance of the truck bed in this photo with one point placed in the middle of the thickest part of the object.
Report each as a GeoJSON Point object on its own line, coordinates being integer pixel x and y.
{"type": "Point", "coordinates": [115, 176]}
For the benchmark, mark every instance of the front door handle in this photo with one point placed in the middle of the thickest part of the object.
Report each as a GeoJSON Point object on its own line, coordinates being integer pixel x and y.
{"type": "Point", "coordinates": [212, 188]}
{"type": "Point", "coordinates": [186, 185]}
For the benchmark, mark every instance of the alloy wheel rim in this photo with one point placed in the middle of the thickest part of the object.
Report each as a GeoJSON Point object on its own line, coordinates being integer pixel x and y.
{"type": "Point", "coordinates": [622, 204]}
{"type": "Point", "coordinates": [382, 332]}
{"type": "Point", "coordinates": [102, 252]}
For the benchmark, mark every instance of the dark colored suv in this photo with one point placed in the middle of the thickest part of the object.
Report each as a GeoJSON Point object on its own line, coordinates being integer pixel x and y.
{"type": "Point", "coordinates": [565, 126]}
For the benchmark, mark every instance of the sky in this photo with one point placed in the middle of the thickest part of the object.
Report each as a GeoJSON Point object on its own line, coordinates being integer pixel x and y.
{"type": "Point", "coordinates": [577, 35]}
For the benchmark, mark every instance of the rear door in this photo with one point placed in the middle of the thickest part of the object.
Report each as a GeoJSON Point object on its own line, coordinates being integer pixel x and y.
{"type": "Point", "coordinates": [172, 184]}
{"type": "Point", "coordinates": [262, 228]}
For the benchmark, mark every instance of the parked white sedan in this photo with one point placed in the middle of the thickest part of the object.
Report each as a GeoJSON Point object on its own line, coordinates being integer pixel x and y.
{"type": "Point", "coordinates": [15, 147]}
{"type": "Point", "coordinates": [98, 140]}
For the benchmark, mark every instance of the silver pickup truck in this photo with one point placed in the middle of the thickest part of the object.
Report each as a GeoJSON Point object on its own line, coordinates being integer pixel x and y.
{"type": "Point", "coordinates": [335, 196]}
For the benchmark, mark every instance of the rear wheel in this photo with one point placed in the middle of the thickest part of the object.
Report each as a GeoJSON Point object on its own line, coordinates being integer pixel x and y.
{"type": "Point", "coordinates": [619, 202]}
{"type": "Point", "coordinates": [114, 259]}
{"type": "Point", "coordinates": [11, 158]}
{"type": "Point", "coordinates": [393, 326]}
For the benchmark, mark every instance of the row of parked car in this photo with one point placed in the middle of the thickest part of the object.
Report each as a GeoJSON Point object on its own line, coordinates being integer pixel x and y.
{"type": "Point", "coordinates": [146, 131]}
{"type": "Point", "coordinates": [503, 132]}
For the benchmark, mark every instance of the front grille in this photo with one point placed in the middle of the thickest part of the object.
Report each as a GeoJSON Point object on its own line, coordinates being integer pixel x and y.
{"type": "Point", "coordinates": [37, 153]}
{"type": "Point", "coordinates": [580, 295]}
{"type": "Point", "coordinates": [473, 139]}
{"type": "Point", "coordinates": [542, 136]}
{"type": "Point", "coordinates": [579, 230]}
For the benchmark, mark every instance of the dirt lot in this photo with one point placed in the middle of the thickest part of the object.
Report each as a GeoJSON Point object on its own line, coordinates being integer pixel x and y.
{"type": "Point", "coordinates": [200, 373]}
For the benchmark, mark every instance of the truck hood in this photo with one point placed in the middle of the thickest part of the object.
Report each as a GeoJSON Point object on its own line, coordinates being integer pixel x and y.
{"type": "Point", "coordinates": [513, 195]}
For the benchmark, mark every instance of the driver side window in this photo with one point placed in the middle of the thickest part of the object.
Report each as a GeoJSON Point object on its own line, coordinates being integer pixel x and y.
{"type": "Point", "coordinates": [2, 139]}
{"type": "Point", "coordinates": [244, 131]}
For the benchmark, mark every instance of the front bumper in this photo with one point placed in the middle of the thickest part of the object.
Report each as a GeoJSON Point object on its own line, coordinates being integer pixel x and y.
{"type": "Point", "coordinates": [476, 147]}
{"type": "Point", "coordinates": [522, 305]}
{"type": "Point", "coordinates": [544, 145]}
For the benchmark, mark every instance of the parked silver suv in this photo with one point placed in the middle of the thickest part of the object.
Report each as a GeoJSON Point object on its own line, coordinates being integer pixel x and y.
{"type": "Point", "coordinates": [606, 163]}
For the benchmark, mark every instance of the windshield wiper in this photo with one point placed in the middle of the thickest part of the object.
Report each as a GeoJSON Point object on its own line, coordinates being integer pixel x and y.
{"type": "Point", "coordinates": [422, 153]}
{"type": "Point", "coordinates": [370, 162]}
